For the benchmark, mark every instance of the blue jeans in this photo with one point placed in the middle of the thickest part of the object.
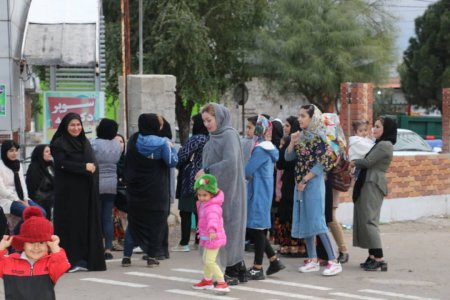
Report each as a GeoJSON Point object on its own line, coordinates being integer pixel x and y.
{"type": "Point", "coordinates": [128, 244]}
{"type": "Point", "coordinates": [107, 203]}
{"type": "Point", "coordinates": [17, 209]}
{"type": "Point", "coordinates": [311, 246]}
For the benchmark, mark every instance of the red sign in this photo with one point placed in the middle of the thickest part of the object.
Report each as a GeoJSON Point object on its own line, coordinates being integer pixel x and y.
{"type": "Point", "coordinates": [60, 106]}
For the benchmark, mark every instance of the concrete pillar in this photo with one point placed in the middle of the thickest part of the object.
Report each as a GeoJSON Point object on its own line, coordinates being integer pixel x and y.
{"type": "Point", "coordinates": [356, 104]}
{"type": "Point", "coordinates": [149, 94]}
{"type": "Point", "coordinates": [446, 120]}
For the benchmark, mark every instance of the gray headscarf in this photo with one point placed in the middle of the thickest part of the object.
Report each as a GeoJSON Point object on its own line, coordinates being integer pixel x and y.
{"type": "Point", "coordinates": [222, 156]}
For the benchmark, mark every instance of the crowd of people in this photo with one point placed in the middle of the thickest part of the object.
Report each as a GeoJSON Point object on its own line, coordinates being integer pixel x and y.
{"type": "Point", "coordinates": [274, 185]}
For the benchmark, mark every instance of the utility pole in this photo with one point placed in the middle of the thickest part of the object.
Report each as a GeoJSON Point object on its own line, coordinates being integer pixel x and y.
{"type": "Point", "coordinates": [126, 62]}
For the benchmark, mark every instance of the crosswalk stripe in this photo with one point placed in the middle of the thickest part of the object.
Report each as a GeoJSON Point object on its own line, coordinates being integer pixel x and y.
{"type": "Point", "coordinates": [395, 295]}
{"type": "Point", "coordinates": [347, 295]}
{"type": "Point", "coordinates": [200, 295]}
{"type": "Point", "coordinates": [278, 282]}
{"type": "Point", "coordinates": [241, 288]}
{"type": "Point", "coordinates": [114, 282]}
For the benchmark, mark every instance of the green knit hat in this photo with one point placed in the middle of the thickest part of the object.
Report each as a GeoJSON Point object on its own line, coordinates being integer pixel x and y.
{"type": "Point", "coordinates": [206, 182]}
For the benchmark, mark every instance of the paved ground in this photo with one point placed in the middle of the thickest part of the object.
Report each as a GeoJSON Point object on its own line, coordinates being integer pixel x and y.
{"type": "Point", "coordinates": [417, 252]}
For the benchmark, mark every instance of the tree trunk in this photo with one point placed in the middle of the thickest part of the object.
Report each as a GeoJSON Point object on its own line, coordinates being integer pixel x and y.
{"type": "Point", "coordinates": [183, 116]}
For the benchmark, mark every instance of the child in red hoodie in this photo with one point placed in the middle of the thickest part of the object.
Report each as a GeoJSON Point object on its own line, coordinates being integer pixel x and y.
{"type": "Point", "coordinates": [32, 274]}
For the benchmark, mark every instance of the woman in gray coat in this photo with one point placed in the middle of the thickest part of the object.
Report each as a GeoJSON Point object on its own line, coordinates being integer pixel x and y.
{"type": "Point", "coordinates": [369, 191]}
{"type": "Point", "coordinates": [107, 151]}
{"type": "Point", "coordinates": [222, 157]}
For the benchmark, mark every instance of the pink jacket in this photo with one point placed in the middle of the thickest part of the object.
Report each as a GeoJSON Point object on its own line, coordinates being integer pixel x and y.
{"type": "Point", "coordinates": [210, 220]}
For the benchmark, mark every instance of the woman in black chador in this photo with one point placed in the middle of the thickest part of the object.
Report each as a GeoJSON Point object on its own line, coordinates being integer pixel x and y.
{"type": "Point", "coordinates": [76, 209]}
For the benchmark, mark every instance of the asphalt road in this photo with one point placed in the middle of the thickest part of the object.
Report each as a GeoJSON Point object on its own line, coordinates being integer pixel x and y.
{"type": "Point", "coordinates": [417, 253]}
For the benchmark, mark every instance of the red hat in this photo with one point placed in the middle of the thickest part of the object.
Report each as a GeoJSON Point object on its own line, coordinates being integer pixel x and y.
{"type": "Point", "coordinates": [35, 228]}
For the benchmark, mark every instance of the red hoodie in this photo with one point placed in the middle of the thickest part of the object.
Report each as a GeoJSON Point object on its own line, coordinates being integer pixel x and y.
{"type": "Point", "coordinates": [25, 281]}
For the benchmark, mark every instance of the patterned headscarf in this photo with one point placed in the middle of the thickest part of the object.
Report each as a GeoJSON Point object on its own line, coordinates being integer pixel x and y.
{"type": "Point", "coordinates": [263, 125]}
{"type": "Point", "coordinates": [316, 126]}
{"type": "Point", "coordinates": [334, 133]}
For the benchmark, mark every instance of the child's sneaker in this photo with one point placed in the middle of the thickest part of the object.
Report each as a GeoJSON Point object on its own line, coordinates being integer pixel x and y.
{"type": "Point", "coordinates": [333, 268]}
{"type": "Point", "coordinates": [126, 262]}
{"type": "Point", "coordinates": [205, 284]}
{"type": "Point", "coordinates": [221, 287]}
{"type": "Point", "coordinates": [255, 274]}
{"type": "Point", "coordinates": [180, 248]}
{"type": "Point", "coordinates": [309, 266]}
{"type": "Point", "coordinates": [275, 266]}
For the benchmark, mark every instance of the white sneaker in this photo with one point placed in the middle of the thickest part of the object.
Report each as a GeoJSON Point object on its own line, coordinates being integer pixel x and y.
{"type": "Point", "coordinates": [309, 266]}
{"type": "Point", "coordinates": [333, 268]}
{"type": "Point", "coordinates": [138, 250]}
{"type": "Point", "coordinates": [180, 248]}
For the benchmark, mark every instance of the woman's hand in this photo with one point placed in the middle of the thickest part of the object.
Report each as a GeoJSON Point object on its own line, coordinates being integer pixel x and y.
{"type": "Point", "coordinates": [5, 242]}
{"type": "Point", "coordinates": [301, 186]}
{"type": "Point", "coordinates": [90, 167]}
{"type": "Point", "coordinates": [295, 137]}
{"type": "Point", "coordinates": [24, 202]}
{"type": "Point", "coordinates": [352, 164]}
{"type": "Point", "coordinates": [199, 173]}
{"type": "Point", "coordinates": [212, 235]}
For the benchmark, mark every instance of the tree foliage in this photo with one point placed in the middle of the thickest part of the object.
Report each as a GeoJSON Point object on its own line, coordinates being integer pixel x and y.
{"type": "Point", "coordinates": [312, 46]}
{"type": "Point", "coordinates": [204, 43]}
{"type": "Point", "coordinates": [426, 63]}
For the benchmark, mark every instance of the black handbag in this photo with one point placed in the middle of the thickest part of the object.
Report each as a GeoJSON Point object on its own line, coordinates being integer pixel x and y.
{"type": "Point", "coordinates": [45, 194]}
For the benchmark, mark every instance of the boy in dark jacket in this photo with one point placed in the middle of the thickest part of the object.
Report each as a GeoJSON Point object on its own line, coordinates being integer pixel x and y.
{"type": "Point", "coordinates": [32, 274]}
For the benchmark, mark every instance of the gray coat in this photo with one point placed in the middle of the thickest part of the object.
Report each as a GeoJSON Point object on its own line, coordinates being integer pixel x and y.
{"type": "Point", "coordinates": [222, 157]}
{"type": "Point", "coordinates": [366, 214]}
{"type": "Point", "coordinates": [107, 153]}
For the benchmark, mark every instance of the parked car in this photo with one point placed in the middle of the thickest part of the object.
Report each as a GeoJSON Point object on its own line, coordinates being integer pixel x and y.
{"type": "Point", "coordinates": [410, 143]}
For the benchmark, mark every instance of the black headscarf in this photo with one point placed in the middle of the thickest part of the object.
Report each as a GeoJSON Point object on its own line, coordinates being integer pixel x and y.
{"type": "Point", "coordinates": [389, 134]}
{"type": "Point", "coordinates": [198, 127]}
{"type": "Point", "coordinates": [70, 143]}
{"type": "Point", "coordinates": [166, 130]}
{"type": "Point", "coordinates": [293, 121]}
{"type": "Point", "coordinates": [107, 129]}
{"type": "Point", "coordinates": [37, 156]}
{"type": "Point", "coordinates": [148, 124]}
{"type": "Point", "coordinates": [389, 131]}
{"type": "Point", "coordinates": [14, 165]}
{"type": "Point", "coordinates": [277, 132]}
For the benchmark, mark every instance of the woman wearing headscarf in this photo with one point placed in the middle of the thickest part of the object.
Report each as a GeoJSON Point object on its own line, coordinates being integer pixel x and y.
{"type": "Point", "coordinates": [288, 244]}
{"type": "Point", "coordinates": [259, 174]}
{"type": "Point", "coordinates": [313, 159]}
{"type": "Point", "coordinates": [76, 211]}
{"type": "Point", "coordinates": [107, 151]}
{"type": "Point", "coordinates": [369, 191]}
{"type": "Point", "coordinates": [149, 158]}
{"type": "Point", "coordinates": [13, 190]}
{"type": "Point", "coordinates": [222, 157]}
{"type": "Point", "coordinates": [189, 163]}
{"type": "Point", "coordinates": [40, 176]}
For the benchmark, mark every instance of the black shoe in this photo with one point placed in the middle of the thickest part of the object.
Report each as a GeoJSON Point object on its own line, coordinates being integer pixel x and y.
{"type": "Point", "coordinates": [145, 257]}
{"type": "Point", "coordinates": [275, 266]}
{"type": "Point", "coordinates": [368, 261]}
{"type": "Point", "coordinates": [376, 265]}
{"type": "Point", "coordinates": [161, 257]}
{"type": "Point", "coordinates": [343, 258]}
{"type": "Point", "coordinates": [231, 280]}
{"type": "Point", "coordinates": [152, 262]}
{"type": "Point", "coordinates": [255, 274]}
{"type": "Point", "coordinates": [108, 256]}
{"type": "Point", "coordinates": [238, 271]}
{"type": "Point", "coordinates": [126, 262]}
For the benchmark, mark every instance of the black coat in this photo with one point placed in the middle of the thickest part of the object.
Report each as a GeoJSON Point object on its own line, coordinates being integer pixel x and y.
{"type": "Point", "coordinates": [76, 208]}
{"type": "Point", "coordinates": [287, 189]}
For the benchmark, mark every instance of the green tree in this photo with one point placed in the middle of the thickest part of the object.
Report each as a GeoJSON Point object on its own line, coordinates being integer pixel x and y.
{"type": "Point", "coordinates": [425, 70]}
{"type": "Point", "coordinates": [312, 46]}
{"type": "Point", "coordinates": [206, 44]}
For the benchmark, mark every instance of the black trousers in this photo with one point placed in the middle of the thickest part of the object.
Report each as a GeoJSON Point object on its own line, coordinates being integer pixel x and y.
{"type": "Point", "coordinates": [186, 225]}
{"type": "Point", "coordinates": [377, 253]}
{"type": "Point", "coordinates": [262, 244]}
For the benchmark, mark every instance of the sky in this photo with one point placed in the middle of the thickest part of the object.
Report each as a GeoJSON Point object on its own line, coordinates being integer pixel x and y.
{"type": "Point", "coordinates": [405, 12]}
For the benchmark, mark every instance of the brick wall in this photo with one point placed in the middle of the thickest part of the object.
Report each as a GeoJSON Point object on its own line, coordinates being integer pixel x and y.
{"type": "Point", "coordinates": [361, 106]}
{"type": "Point", "coordinates": [415, 176]}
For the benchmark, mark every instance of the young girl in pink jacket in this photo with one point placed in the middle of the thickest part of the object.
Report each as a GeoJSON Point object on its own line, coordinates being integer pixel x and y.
{"type": "Point", "coordinates": [211, 232]}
